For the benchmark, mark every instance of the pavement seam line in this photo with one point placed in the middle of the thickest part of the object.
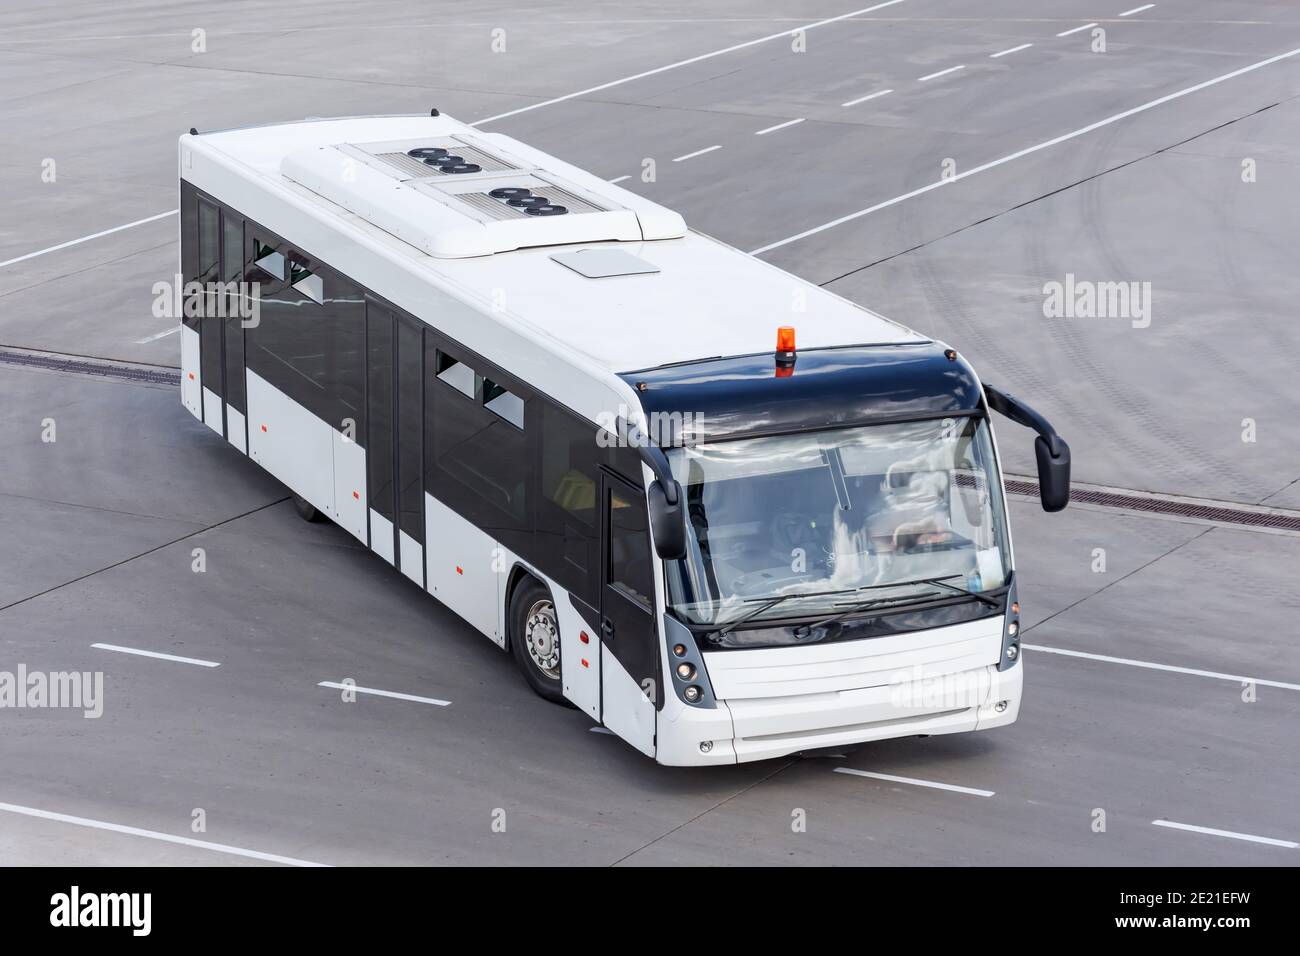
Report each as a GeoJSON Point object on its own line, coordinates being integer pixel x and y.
{"type": "Point", "coordinates": [1111, 584]}
{"type": "Point", "coordinates": [685, 823]}
{"type": "Point", "coordinates": [142, 554]}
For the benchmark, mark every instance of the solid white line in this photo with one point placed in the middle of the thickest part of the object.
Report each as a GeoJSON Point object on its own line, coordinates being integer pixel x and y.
{"type": "Point", "coordinates": [1149, 665]}
{"type": "Point", "coordinates": [161, 657]}
{"type": "Point", "coordinates": [1289, 844]}
{"type": "Point", "coordinates": [951, 69]}
{"type": "Point", "coordinates": [1066, 33]}
{"type": "Point", "coordinates": [914, 782]}
{"type": "Point", "coordinates": [617, 179]}
{"type": "Point", "coordinates": [1022, 153]}
{"type": "Point", "coordinates": [773, 129]}
{"type": "Point", "coordinates": [385, 693]}
{"type": "Point", "coordinates": [155, 835]}
{"type": "Point", "coordinates": [698, 152]}
{"type": "Point", "coordinates": [688, 62]}
{"type": "Point", "coordinates": [863, 99]}
{"type": "Point", "coordinates": [1129, 13]}
{"type": "Point", "coordinates": [75, 242]}
{"type": "Point", "coordinates": [158, 335]}
{"type": "Point", "coordinates": [1014, 49]}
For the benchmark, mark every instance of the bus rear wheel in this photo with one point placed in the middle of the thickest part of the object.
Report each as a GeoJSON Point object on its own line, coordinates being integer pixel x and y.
{"type": "Point", "coordinates": [535, 639]}
{"type": "Point", "coordinates": [306, 510]}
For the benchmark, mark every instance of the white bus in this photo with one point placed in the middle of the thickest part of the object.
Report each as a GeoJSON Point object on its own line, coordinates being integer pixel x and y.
{"type": "Point", "coordinates": [592, 433]}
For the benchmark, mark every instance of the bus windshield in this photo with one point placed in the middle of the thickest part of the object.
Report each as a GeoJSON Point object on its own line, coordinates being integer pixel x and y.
{"type": "Point", "coordinates": [811, 523]}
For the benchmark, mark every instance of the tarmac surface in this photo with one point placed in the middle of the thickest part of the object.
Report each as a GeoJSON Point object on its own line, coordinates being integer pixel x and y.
{"type": "Point", "coordinates": [1170, 159]}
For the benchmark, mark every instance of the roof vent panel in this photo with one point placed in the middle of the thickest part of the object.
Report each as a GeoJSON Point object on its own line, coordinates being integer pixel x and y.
{"type": "Point", "coordinates": [443, 159]}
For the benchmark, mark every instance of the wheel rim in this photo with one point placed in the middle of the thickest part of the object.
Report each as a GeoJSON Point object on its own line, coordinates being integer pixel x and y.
{"type": "Point", "coordinates": [542, 637]}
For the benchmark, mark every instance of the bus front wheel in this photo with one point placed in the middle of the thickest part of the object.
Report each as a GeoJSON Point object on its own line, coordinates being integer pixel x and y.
{"type": "Point", "coordinates": [535, 639]}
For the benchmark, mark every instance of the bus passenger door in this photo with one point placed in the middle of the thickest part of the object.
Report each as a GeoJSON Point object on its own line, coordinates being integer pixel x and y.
{"type": "Point", "coordinates": [629, 670]}
{"type": "Point", "coordinates": [395, 448]}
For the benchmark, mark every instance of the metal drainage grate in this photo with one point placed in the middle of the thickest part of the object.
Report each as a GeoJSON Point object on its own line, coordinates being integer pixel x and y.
{"type": "Point", "coordinates": [1219, 514]}
{"type": "Point", "coordinates": [104, 368]}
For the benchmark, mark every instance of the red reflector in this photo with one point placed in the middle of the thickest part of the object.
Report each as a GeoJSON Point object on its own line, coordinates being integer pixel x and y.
{"type": "Point", "coordinates": [191, 376]}
{"type": "Point", "coordinates": [357, 495]}
{"type": "Point", "coordinates": [459, 569]}
{"type": "Point", "coordinates": [584, 663]}
{"type": "Point", "coordinates": [263, 428]}
{"type": "Point", "coordinates": [584, 638]}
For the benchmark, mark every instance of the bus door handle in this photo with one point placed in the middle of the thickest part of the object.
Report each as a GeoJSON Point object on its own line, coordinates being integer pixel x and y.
{"type": "Point", "coordinates": [607, 628]}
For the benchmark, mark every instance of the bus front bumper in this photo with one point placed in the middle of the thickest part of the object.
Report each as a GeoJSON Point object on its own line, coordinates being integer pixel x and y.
{"type": "Point", "coordinates": [738, 731]}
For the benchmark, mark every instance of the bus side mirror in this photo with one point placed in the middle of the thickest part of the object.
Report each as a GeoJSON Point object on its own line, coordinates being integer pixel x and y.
{"type": "Point", "coordinates": [1050, 449]}
{"type": "Point", "coordinates": [667, 521]}
{"type": "Point", "coordinates": [1053, 473]}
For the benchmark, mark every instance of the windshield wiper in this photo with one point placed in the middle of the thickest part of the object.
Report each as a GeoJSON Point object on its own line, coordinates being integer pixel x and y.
{"type": "Point", "coordinates": [769, 603]}
{"type": "Point", "coordinates": [858, 608]}
{"type": "Point", "coordinates": [803, 630]}
{"type": "Point", "coordinates": [943, 583]}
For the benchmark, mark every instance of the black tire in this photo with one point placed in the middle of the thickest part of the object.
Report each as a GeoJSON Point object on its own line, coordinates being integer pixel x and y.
{"type": "Point", "coordinates": [529, 600]}
{"type": "Point", "coordinates": [306, 510]}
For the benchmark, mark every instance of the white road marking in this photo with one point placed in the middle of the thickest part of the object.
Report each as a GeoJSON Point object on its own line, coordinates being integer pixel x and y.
{"type": "Point", "coordinates": [914, 782]}
{"type": "Point", "coordinates": [155, 835]}
{"type": "Point", "coordinates": [698, 152]}
{"type": "Point", "coordinates": [1150, 665]}
{"type": "Point", "coordinates": [1024, 152]}
{"type": "Point", "coordinates": [1014, 49]}
{"type": "Point", "coordinates": [385, 693]}
{"type": "Point", "coordinates": [932, 76]}
{"type": "Point", "coordinates": [1066, 33]}
{"type": "Point", "coordinates": [1129, 13]}
{"type": "Point", "coordinates": [863, 99]}
{"type": "Point", "coordinates": [94, 235]}
{"type": "Point", "coordinates": [158, 335]}
{"type": "Point", "coordinates": [1289, 844]}
{"type": "Point", "coordinates": [617, 179]}
{"type": "Point", "coordinates": [161, 657]}
{"type": "Point", "coordinates": [773, 129]}
{"type": "Point", "coordinates": [695, 59]}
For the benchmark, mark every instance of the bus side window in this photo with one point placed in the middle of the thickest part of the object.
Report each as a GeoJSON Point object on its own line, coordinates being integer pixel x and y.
{"type": "Point", "coordinates": [629, 547]}
{"type": "Point", "coordinates": [480, 454]}
{"type": "Point", "coordinates": [566, 514]}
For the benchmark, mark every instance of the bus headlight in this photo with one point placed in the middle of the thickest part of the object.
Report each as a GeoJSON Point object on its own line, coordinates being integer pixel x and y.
{"type": "Point", "coordinates": [1010, 630]}
{"type": "Point", "coordinates": [686, 671]}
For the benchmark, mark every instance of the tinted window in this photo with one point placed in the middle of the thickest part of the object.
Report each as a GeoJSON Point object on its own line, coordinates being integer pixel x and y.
{"type": "Point", "coordinates": [566, 513]}
{"type": "Point", "coordinates": [210, 341]}
{"type": "Point", "coordinates": [232, 270]}
{"type": "Point", "coordinates": [314, 351]}
{"type": "Point", "coordinates": [629, 546]}
{"type": "Point", "coordinates": [480, 463]}
{"type": "Point", "coordinates": [209, 268]}
{"type": "Point", "coordinates": [379, 447]}
{"type": "Point", "coordinates": [209, 240]}
{"type": "Point", "coordinates": [410, 429]}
